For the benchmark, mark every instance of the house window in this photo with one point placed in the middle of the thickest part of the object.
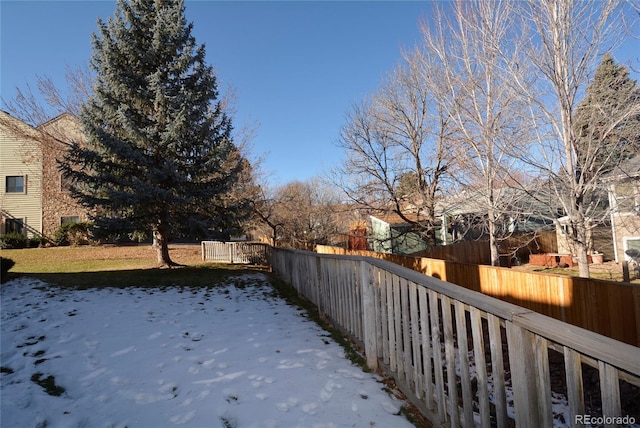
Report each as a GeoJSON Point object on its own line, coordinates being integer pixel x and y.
{"type": "Point", "coordinates": [15, 184]}
{"type": "Point", "coordinates": [69, 219]}
{"type": "Point", "coordinates": [631, 246]}
{"type": "Point", "coordinates": [627, 197]}
{"type": "Point", "coordinates": [14, 225]}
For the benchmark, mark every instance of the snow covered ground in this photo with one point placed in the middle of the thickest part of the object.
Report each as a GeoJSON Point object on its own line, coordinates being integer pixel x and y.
{"type": "Point", "coordinates": [232, 356]}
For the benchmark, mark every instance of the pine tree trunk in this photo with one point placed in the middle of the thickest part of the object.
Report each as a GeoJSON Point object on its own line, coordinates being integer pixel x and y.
{"type": "Point", "coordinates": [161, 245]}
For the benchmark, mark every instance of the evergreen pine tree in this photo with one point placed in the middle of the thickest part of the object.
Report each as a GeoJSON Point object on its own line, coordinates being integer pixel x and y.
{"type": "Point", "coordinates": [607, 122]}
{"type": "Point", "coordinates": [158, 153]}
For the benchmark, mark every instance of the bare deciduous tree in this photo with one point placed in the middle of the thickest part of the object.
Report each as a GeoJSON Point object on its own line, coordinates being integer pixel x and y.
{"type": "Point", "coordinates": [37, 105]}
{"type": "Point", "coordinates": [474, 41]}
{"type": "Point", "coordinates": [299, 214]}
{"type": "Point", "coordinates": [397, 146]}
{"type": "Point", "coordinates": [567, 41]}
{"type": "Point", "coordinates": [267, 219]}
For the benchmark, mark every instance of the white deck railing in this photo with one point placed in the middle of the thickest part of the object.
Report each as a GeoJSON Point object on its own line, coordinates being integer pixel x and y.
{"type": "Point", "coordinates": [463, 358]}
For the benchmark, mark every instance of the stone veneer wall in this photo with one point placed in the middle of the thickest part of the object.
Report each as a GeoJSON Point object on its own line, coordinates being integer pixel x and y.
{"type": "Point", "coordinates": [56, 201]}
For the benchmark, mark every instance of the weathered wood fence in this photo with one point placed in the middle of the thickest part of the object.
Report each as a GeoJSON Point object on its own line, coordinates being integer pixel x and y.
{"type": "Point", "coordinates": [236, 252]}
{"type": "Point", "coordinates": [464, 358]}
{"type": "Point", "coordinates": [479, 252]}
{"type": "Point", "coordinates": [609, 308]}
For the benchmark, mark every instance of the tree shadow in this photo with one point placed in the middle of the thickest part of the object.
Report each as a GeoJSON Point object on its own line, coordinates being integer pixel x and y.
{"type": "Point", "coordinates": [205, 275]}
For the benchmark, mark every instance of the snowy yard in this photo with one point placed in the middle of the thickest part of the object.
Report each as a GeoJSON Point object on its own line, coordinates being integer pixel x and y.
{"type": "Point", "coordinates": [224, 356]}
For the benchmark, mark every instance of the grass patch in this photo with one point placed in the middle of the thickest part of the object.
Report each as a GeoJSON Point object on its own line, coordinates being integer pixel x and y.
{"type": "Point", "coordinates": [95, 258]}
{"type": "Point", "coordinates": [110, 266]}
{"type": "Point", "coordinates": [48, 384]}
{"type": "Point", "coordinates": [594, 273]}
{"type": "Point", "coordinates": [32, 340]}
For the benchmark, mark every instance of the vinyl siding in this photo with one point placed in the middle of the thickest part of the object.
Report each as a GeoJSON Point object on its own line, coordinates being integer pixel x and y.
{"type": "Point", "coordinates": [20, 155]}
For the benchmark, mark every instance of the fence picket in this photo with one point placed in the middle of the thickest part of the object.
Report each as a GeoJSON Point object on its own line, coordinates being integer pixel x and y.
{"type": "Point", "coordinates": [425, 342]}
{"type": "Point", "coordinates": [480, 365]}
{"type": "Point", "coordinates": [497, 370]}
{"type": "Point", "coordinates": [575, 392]}
{"type": "Point", "coordinates": [406, 330]}
{"type": "Point", "coordinates": [415, 339]}
{"type": "Point", "coordinates": [610, 391]}
{"type": "Point", "coordinates": [450, 357]}
{"type": "Point", "coordinates": [543, 382]}
{"type": "Point", "coordinates": [397, 316]}
{"type": "Point", "coordinates": [391, 323]}
{"type": "Point", "coordinates": [523, 377]}
{"type": "Point", "coordinates": [463, 358]}
{"type": "Point", "coordinates": [437, 355]}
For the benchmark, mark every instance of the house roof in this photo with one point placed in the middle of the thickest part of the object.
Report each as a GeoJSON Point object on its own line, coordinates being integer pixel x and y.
{"type": "Point", "coordinates": [62, 116]}
{"type": "Point", "coordinates": [474, 201]}
{"type": "Point", "coordinates": [17, 126]}
{"type": "Point", "coordinates": [394, 219]}
{"type": "Point", "coordinates": [63, 129]}
{"type": "Point", "coordinates": [626, 169]}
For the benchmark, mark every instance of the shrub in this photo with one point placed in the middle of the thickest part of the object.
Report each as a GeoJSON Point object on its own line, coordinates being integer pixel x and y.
{"type": "Point", "coordinates": [5, 265]}
{"type": "Point", "coordinates": [36, 242]}
{"type": "Point", "coordinates": [72, 234]}
{"type": "Point", "coordinates": [12, 241]}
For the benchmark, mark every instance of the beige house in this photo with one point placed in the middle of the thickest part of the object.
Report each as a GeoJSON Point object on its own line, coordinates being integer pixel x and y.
{"type": "Point", "coordinates": [34, 200]}
{"type": "Point", "coordinates": [624, 198]}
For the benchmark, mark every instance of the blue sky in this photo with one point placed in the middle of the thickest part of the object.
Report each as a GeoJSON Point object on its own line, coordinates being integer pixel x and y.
{"type": "Point", "coordinates": [297, 66]}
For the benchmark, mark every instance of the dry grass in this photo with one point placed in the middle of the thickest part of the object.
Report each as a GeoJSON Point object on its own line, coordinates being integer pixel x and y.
{"type": "Point", "coordinates": [96, 258]}
{"type": "Point", "coordinates": [608, 271]}
{"type": "Point", "coordinates": [95, 266]}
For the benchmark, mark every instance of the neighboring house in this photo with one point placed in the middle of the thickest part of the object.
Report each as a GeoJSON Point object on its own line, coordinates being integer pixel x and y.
{"type": "Point", "coordinates": [623, 184]}
{"type": "Point", "coordinates": [34, 199]}
{"type": "Point", "coordinates": [460, 217]}
{"type": "Point", "coordinates": [598, 239]}
{"type": "Point", "coordinates": [465, 214]}
{"type": "Point", "coordinates": [392, 235]}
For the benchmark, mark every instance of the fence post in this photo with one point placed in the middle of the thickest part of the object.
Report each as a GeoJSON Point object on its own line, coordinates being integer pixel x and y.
{"type": "Point", "coordinates": [369, 329]}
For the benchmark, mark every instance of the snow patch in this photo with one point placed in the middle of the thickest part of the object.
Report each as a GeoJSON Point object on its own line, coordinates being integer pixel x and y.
{"type": "Point", "coordinates": [211, 367]}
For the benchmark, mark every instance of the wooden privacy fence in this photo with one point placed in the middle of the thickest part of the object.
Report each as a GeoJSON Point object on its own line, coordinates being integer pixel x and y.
{"type": "Point", "coordinates": [235, 252]}
{"type": "Point", "coordinates": [609, 308]}
{"type": "Point", "coordinates": [466, 359]}
{"type": "Point", "coordinates": [478, 252]}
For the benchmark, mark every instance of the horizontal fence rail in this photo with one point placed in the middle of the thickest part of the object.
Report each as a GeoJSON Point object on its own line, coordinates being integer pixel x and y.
{"type": "Point", "coordinates": [464, 358]}
{"type": "Point", "coordinates": [236, 252]}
